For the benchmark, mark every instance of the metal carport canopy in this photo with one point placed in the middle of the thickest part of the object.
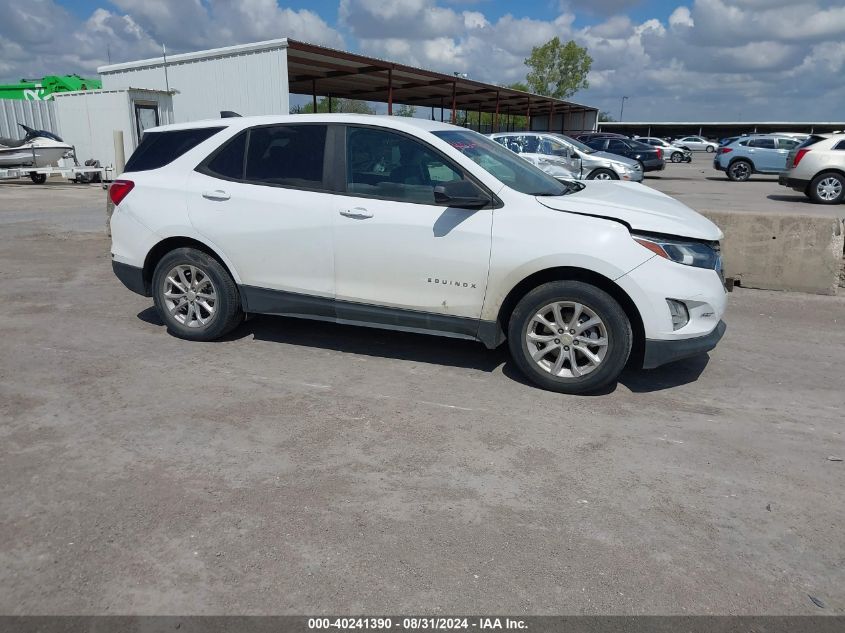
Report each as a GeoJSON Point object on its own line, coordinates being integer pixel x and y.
{"type": "Point", "coordinates": [317, 70]}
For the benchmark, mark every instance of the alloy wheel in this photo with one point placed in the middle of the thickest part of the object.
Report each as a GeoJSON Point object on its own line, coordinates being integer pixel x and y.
{"type": "Point", "coordinates": [829, 188]}
{"type": "Point", "coordinates": [603, 176]}
{"type": "Point", "coordinates": [567, 339]}
{"type": "Point", "coordinates": [190, 296]}
{"type": "Point", "coordinates": [740, 170]}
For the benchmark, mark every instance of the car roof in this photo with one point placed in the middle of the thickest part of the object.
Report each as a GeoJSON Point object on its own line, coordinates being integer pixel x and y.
{"type": "Point", "coordinates": [397, 122]}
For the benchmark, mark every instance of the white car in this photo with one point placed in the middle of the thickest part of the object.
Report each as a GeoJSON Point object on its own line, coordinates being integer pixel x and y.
{"type": "Point", "coordinates": [565, 158]}
{"type": "Point", "coordinates": [407, 224]}
{"type": "Point", "coordinates": [696, 144]}
{"type": "Point", "coordinates": [675, 153]}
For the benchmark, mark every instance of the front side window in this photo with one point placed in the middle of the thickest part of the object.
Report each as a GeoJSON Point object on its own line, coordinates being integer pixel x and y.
{"type": "Point", "coordinates": [511, 170]}
{"type": "Point", "coordinates": [384, 164]}
{"type": "Point", "coordinates": [287, 155]}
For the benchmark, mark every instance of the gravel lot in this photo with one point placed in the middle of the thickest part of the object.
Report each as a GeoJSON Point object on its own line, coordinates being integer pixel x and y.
{"type": "Point", "coordinates": [300, 467]}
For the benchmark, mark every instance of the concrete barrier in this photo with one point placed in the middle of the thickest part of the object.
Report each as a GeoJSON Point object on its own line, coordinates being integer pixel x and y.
{"type": "Point", "coordinates": [782, 252]}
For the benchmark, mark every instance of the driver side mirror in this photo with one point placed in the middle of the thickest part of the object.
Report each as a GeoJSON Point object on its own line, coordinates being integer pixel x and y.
{"type": "Point", "coordinates": [461, 194]}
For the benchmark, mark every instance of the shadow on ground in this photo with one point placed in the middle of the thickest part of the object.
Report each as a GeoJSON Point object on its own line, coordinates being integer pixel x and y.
{"type": "Point", "coordinates": [420, 348]}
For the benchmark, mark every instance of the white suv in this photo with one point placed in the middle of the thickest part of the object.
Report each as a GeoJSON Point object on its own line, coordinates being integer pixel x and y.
{"type": "Point", "coordinates": [407, 224]}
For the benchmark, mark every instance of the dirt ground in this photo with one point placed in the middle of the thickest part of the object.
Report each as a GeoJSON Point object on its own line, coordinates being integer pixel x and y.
{"type": "Point", "coordinates": [300, 467]}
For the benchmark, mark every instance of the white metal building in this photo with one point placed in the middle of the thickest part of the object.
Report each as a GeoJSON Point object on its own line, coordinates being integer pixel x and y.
{"type": "Point", "coordinates": [87, 119]}
{"type": "Point", "coordinates": [259, 78]}
{"type": "Point", "coordinates": [249, 79]}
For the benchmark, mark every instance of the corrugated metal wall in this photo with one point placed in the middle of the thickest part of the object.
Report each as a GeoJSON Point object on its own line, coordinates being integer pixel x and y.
{"type": "Point", "coordinates": [250, 83]}
{"type": "Point", "coordinates": [40, 115]}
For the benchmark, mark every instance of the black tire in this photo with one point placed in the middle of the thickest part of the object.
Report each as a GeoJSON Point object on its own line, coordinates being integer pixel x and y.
{"type": "Point", "coordinates": [740, 170]}
{"type": "Point", "coordinates": [709, 149]}
{"type": "Point", "coordinates": [677, 157]}
{"type": "Point", "coordinates": [830, 179]}
{"type": "Point", "coordinates": [227, 312]}
{"type": "Point", "coordinates": [608, 174]}
{"type": "Point", "coordinates": [642, 166]}
{"type": "Point", "coordinates": [605, 307]}
{"type": "Point", "coordinates": [38, 179]}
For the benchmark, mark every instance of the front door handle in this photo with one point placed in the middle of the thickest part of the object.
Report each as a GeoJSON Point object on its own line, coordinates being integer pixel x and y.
{"type": "Point", "coordinates": [359, 213]}
{"type": "Point", "coordinates": [217, 194]}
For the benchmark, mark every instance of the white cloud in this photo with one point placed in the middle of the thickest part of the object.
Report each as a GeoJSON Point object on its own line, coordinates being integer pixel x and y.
{"type": "Point", "coordinates": [703, 59]}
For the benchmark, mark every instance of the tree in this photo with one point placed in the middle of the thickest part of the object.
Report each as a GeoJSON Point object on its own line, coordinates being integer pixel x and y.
{"type": "Point", "coordinates": [354, 106]}
{"type": "Point", "coordinates": [518, 85]}
{"type": "Point", "coordinates": [558, 70]}
{"type": "Point", "coordinates": [405, 110]}
{"type": "Point", "coordinates": [604, 117]}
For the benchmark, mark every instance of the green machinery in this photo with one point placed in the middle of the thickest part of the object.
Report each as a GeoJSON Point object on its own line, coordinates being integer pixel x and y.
{"type": "Point", "coordinates": [44, 88]}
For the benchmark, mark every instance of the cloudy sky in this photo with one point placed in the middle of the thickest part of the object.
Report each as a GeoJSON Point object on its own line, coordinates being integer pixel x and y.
{"type": "Point", "coordinates": [674, 59]}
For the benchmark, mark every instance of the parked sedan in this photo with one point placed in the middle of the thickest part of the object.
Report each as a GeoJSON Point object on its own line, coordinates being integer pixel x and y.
{"type": "Point", "coordinates": [817, 169]}
{"type": "Point", "coordinates": [651, 158]}
{"type": "Point", "coordinates": [760, 154]}
{"type": "Point", "coordinates": [564, 157]}
{"type": "Point", "coordinates": [697, 144]}
{"type": "Point", "coordinates": [675, 153]}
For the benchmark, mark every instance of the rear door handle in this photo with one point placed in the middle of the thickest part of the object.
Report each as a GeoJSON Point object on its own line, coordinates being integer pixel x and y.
{"type": "Point", "coordinates": [359, 213]}
{"type": "Point", "coordinates": [217, 194]}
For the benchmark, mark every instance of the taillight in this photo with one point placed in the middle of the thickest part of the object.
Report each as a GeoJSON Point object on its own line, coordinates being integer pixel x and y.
{"type": "Point", "coordinates": [119, 190]}
{"type": "Point", "coordinates": [725, 150]}
{"type": "Point", "coordinates": [659, 152]}
{"type": "Point", "coordinates": [799, 156]}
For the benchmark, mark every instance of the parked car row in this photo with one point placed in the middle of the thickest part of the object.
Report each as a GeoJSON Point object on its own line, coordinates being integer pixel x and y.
{"type": "Point", "coordinates": [812, 164]}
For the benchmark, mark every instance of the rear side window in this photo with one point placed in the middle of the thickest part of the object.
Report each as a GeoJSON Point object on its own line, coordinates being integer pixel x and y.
{"type": "Point", "coordinates": [762, 143]}
{"type": "Point", "coordinates": [840, 145]}
{"type": "Point", "coordinates": [162, 148]}
{"type": "Point", "coordinates": [228, 162]}
{"type": "Point", "coordinates": [287, 155]}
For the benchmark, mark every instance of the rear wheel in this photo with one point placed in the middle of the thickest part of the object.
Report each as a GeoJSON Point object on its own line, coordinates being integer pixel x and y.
{"type": "Point", "coordinates": [570, 337]}
{"type": "Point", "coordinates": [677, 157]}
{"type": "Point", "coordinates": [827, 188]}
{"type": "Point", "coordinates": [195, 295]}
{"type": "Point", "coordinates": [740, 170]}
{"type": "Point", "coordinates": [38, 179]}
{"type": "Point", "coordinates": [603, 174]}
{"type": "Point", "coordinates": [710, 149]}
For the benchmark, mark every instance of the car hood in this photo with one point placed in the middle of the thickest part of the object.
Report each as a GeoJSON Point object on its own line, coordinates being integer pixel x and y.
{"type": "Point", "coordinates": [638, 206]}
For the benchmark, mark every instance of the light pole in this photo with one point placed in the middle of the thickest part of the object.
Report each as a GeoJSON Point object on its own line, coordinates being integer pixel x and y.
{"type": "Point", "coordinates": [622, 109]}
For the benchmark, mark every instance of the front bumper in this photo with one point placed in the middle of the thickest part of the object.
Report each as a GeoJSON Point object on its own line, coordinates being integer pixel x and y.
{"type": "Point", "coordinates": [659, 353]}
{"type": "Point", "coordinates": [132, 277]}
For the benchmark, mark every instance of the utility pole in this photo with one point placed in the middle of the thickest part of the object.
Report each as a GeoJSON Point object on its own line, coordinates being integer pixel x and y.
{"type": "Point", "coordinates": [622, 109]}
{"type": "Point", "coordinates": [164, 56]}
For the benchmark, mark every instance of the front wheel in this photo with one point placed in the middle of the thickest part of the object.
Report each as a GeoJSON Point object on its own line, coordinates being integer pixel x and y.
{"type": "Point", "coordinates": [827, 188]}
{"type": "Point", "coordinates": [710, 149]}
{"type": "Point", "coordinates": [570, 337]}
{"type": "Point", "coordinates": [740, 171]}
{"type": "Point", "coordinates": [603, 174]}
{"type": "Point", "coordinates": [195, 295]}
{"type": "Point", "coordinates": [38, 179]}
{"type": "Point", "coordinates": [677, 157]}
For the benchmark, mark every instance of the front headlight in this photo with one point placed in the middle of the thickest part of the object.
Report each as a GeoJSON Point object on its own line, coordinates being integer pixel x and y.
{"type": "Point", "coordinates": [687, 252]}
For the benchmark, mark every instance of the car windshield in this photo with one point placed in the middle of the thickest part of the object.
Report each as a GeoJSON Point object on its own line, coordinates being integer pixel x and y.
{"type": "Point", "coordinates": [576, 144]}
{"type": "Point", "coordinates": [503, 164]}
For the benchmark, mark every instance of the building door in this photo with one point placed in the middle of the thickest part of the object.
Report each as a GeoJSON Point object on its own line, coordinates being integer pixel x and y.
{"type": "Point", "coordinates": [146, 116]}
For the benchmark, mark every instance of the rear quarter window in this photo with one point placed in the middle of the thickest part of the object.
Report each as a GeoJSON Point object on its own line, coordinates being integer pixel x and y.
{"type": "Point", "coordinates": [158, 149]}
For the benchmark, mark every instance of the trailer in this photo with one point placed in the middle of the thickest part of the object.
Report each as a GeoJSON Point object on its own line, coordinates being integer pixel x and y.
{"type": "Point", "coordinates": [78, 174]}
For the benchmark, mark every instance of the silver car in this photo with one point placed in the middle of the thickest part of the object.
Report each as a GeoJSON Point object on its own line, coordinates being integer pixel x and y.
{"type": "Point", "coordinates": [696, 144]}
{"type": "Point", "coordinates": [675, 153]}
{"type": "Point", "coordinates": [564, 157]}
{"type": "Point", "coordinates": [817, 169]}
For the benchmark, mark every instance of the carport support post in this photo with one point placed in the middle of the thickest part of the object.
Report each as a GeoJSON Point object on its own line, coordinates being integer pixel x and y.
{"type": "Point", "coordinates": [551, 116]}
{"type": "Point", "coordinates": [389, 91]}
{"type": "Point", "coordinates": [496, 116]}
{"type": "Point", "coordinates": [479, 118]}
{"type": "Point", "coordinates": [119, 153]}
{"type": "Point", "coordinates": [314, 94]}
{"type": "Point", "coordinates": [330, 104]}
{"type": "Point", "coordinates": [454, 103]}
{"type": "Point", "coordinates": [528, 114]}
